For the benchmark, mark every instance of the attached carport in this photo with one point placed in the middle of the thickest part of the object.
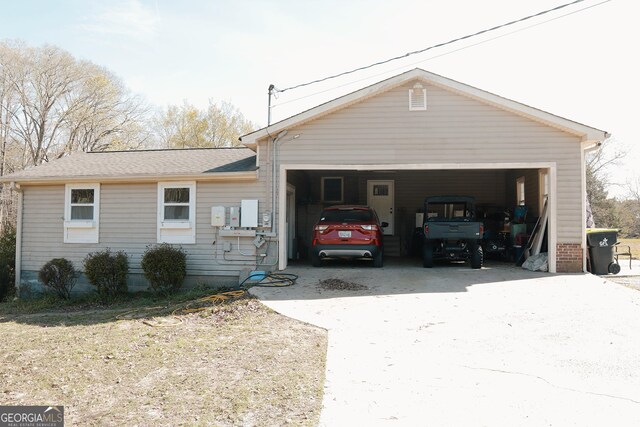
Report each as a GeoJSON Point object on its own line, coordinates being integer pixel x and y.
{"type": "Point", "coordinates": [406, 185]}
{"type": "Point", "coordinates": [431, 136]}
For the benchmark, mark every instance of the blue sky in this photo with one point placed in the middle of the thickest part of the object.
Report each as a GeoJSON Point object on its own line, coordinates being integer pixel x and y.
{"type": "Point", "coordinates": [583, 66]}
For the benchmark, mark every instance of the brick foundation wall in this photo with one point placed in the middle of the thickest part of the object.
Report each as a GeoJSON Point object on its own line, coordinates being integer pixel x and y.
{"type": "Point", "coordinates": [568, 258]}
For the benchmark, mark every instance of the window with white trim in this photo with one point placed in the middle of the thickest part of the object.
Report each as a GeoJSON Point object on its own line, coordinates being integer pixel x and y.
{"type": "Point", "coordinates": [177, 212]}
{"type": "Point", "coordinates": [332, 189]}
{"type": "Point", "coordinates": [81, 213]}
{"type": "Point", "coordinates": [520, 199]}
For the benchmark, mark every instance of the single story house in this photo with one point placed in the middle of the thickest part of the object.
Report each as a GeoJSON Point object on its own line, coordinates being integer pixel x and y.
{"type": "Point", "coordinates": [233, 210]}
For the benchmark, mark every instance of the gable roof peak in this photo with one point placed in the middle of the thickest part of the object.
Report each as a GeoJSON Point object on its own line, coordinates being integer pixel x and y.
{"type": "Point", "coordinates": [587, 133]}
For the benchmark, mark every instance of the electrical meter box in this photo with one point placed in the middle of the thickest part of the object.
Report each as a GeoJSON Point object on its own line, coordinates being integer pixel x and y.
{"type": "Point", "coordinates": [217, 216]}
{"type": "Point", "coordinates": [266, 219]}
{"type": "Point", "coordinates": [234, 216]}
{"type": "Point", "coordinates": [249, 217]}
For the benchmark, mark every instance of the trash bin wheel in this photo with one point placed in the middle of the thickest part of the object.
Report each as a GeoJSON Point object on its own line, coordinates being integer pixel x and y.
{"type": "Point", "coordinates": [614, 268]}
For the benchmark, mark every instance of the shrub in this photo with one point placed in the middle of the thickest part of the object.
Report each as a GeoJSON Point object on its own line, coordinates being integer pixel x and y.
{"type": "Point", "coordinates": [5, 279]}
{"type": "Point", "coordinates": [7, 261]}
{"type": "Point", "coordinates": [165, 267]}
{"type": "Point", "coordinates": [107, 272]}
{"type": "Point", "coordinates": [59, 276]}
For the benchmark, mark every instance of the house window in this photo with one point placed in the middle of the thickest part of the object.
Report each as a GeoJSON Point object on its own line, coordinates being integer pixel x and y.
{"type": "Point", "coordinates": [177, 212]}
{"type": "Point", "coordinates": [332, 189]}
{"type": "Point", "coordinates": [520, 199]}
{"type": "Point", "coordinates": [81, 213]}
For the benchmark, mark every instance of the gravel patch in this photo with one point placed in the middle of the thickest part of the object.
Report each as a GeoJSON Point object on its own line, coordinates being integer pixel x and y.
{"type": "Point", "coordinates": [340, 285]}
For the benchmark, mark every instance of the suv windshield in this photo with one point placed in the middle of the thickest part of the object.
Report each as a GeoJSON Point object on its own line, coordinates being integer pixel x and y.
{"type": "Point", "coordinates": [347, 215]}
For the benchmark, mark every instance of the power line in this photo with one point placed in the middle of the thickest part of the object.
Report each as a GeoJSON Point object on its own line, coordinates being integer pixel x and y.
{"type": "Point", "coordinates": [544, 12]}
{"type": "Point", "coordinates": [440, 55]}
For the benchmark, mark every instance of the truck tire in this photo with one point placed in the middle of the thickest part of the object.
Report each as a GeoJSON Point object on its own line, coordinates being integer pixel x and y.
{"type": "Point", "coordinates": [315, 260]}
{"type": "Point", "coordinates": [476, 256]}
{"type": "Point", "coordinates": [427, 255]}
{"type": "Point", "coordinates": [377, 260]}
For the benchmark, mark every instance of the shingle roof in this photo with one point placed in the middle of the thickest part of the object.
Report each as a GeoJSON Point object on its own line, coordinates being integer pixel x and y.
{"type": "Point", "coordinates": [143, 163]}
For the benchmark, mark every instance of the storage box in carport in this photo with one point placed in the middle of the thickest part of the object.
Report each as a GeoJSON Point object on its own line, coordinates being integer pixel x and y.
{"type": "Point", "coordinates": [601, 242]}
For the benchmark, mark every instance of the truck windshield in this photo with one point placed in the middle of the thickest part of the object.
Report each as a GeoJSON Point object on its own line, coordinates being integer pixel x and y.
{"type": "Point", "coordinates": [447, 211]}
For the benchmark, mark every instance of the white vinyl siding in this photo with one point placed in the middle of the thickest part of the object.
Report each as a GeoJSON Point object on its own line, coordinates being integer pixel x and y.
{"type": "Point", "coordinates": [454, 130]}
{"type": "Point", "coordinates": [128, 222]}
{"type": "Point", "coordinates": [81, 213]}
{"type": "Point", "coordinates": [177, 212]}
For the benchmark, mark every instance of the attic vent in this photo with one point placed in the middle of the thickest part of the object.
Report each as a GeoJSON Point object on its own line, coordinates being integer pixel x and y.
{"type": "Point", "coordinates": [417, 98]}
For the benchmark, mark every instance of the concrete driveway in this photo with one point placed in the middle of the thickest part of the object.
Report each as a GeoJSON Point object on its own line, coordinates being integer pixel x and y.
{"type": "Point", "coordinates": [451, 346]}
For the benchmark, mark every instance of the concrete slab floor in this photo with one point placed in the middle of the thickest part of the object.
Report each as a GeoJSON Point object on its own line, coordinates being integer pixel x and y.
{"type": "Point", "coordinates": [451, 346]}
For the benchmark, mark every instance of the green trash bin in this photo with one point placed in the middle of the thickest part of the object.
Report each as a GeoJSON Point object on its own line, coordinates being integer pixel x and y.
{"type": "Point", "coordinates": [601, 242]}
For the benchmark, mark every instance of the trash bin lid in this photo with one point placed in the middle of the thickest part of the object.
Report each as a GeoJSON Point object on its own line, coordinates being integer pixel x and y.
{"type": "Point", "coordinates": [602, 237]}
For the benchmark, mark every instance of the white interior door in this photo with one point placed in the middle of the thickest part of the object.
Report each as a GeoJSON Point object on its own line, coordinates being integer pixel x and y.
{"type": "Point", "coordinates": [380, 198]}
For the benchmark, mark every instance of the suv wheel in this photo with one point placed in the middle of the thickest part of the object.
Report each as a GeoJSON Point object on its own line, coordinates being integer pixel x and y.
{"type": "Point", "coordinates": [377, 260]}
{"type": "Point", "coordinates": [427, 255]}
{"type": "Point", "coordinates": [315, 260]}
{"type": "Point", "coordinates": [476, 256]}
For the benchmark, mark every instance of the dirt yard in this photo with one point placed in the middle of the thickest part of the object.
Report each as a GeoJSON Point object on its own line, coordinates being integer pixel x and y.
{"type": "Point", "coordinates": [235, 364]}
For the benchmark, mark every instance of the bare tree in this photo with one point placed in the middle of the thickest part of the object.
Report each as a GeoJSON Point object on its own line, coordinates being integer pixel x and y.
{"type": "Point", "coordinates": [186, 126]}
{"type": "Point", "coordinates": [609, 154]}
{"type": "Point", "coordinates": [52, 104]}
{"type": "Point", "coordinates": [8, 108]}
{"type": "Point", "coordinates": [103, 114]}
{"type": "Point", "coordinates": [225, 124]}
{"type": "Point", "coordinates": [598, 163]}
{"type": "Point", "coordinates": [63, 105]}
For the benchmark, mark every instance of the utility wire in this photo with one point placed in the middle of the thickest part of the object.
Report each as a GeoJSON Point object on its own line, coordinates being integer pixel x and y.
{"type": "Point", "coordinates": [544, 12]}
{"type": "Point", "coordinates": [440, 55]}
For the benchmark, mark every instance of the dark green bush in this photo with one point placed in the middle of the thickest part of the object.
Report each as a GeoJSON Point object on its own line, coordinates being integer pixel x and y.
{"type": "Point", "coordinates": [108, 273]}
{"type": "Point", "coordinates": [7, 262]}
{"type": "Point", "coordinates": [165, 267]}
{"type": "Point", "coordinates": [59, 276]}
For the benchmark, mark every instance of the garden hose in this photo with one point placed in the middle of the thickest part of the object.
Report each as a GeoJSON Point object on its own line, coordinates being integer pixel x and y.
{"type": "Point", "coordinates": [209, 300]}
{"type": "Point", "coordinates": [270, 280]}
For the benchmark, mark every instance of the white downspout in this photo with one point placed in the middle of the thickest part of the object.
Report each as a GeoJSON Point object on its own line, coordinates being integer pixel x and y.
{"type": "Point", "coordinates": [18, 266]}
{"type": "Point", "coordinates": [274, 185]}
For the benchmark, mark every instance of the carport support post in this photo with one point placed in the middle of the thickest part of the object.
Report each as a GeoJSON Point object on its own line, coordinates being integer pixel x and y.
{"type": "Point", "coordinates": [281, 214]}
{"type": "Point", "coordinates": [551, 226]}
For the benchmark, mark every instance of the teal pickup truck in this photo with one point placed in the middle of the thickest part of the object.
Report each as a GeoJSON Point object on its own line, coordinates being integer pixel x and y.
{"type": "Point", "coordinates": [451, 231]}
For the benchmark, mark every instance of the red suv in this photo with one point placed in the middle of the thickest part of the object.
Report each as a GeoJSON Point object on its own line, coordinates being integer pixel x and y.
{"type": "Point", "coordinates": [346, 231]}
